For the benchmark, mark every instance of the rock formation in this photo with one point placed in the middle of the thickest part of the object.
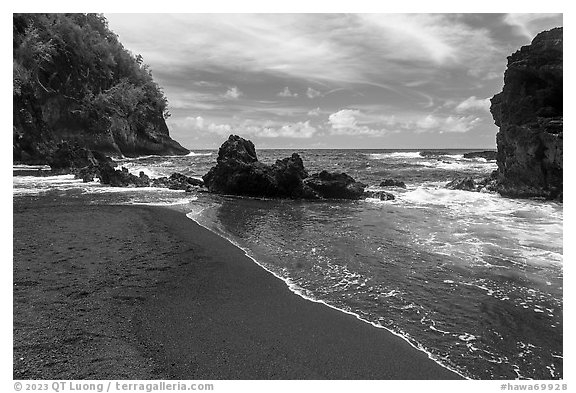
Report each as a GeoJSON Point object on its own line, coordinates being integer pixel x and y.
{"type": "Point", "coordinates": [392, 183]}
{"type": "Point", "coordinates": [238, 172]}
{"type": "Point", "coordinates": [489, 155]}
{"type": "Point", "coordinates": [74, 82]}
{"type": "Point", "coordinates": [530, 116]}
{"type": "Point", "coordinates": [335, 185]}
{"type": "Point", "coordinates": [465, 184]}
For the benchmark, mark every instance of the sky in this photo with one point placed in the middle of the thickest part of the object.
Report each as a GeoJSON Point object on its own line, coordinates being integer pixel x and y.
{"type": "Point", "coordinates": [313, 80]}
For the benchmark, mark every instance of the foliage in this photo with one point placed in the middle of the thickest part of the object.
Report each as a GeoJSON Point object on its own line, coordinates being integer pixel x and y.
{"type": "Point", "coordinates": [77, 59]}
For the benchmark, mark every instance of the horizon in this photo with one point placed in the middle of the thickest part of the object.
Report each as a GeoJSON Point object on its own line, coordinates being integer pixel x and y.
{"type": "Point", "coordinates": [330, 81]}
{"type": "Point", "coordinates": [355, 148]}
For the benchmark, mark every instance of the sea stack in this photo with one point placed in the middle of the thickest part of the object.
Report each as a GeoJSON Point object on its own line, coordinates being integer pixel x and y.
{"type": "Point", "coordinates": [529, 114]}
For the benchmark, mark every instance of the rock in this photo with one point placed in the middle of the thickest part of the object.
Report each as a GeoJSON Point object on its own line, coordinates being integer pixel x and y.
{"type": "Point", "coordinates": [238, 172]}
{"type": "Point", "coordinates": [87, 91]}
{"type": "Point", "coordinates": [382, 195]}
{"type": "Point", "coordinates": [529, 112]}
{"type": "Point", "coordinates": [121, 178]}
{"type": "Point", "coordinates": [335, 185]}
{"type": "Point", "coordinates": [431, 153]}
{"type": "Point", "coordinates": [237, 150]}
{"type": "Point", "coordinates": [392, 183]}
{"type": "Point", "coordinates": [70, 156]}
{"type": "Point", "coordinates": [177, 181]}
{"type": "Point", "coordinates": [288, 174]}
{"type": "Point", "coordinates": [465, 184]}
{"type": "Point", "coordinates": [489, 155]}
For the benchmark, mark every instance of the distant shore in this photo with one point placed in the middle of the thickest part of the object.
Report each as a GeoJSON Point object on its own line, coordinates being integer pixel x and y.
{"type": "Point", "coordinates": [139, 292]}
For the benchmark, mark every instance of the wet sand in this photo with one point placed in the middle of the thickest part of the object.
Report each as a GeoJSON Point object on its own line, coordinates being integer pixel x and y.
{"type": "Point", "coordinates": [140, 292]}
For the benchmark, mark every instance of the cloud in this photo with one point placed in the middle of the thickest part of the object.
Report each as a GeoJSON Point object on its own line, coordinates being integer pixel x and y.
{"type": "Point", "coordinates": [249, 128]}
{"type": "Point", "coordinates": [233, 93]}
{"type": "Point", "coordinates": [445, 124]}
{"type": "Point", "coordinates": [356, 122]}
{"type": "Point", "coordinates": [346, 122]}
{"type": "Point", "coordinates": [287, 93]}
{"type": "Point", "coordinates": [293, 130]}
{"type": "Point", "coordinates": [529, 25]}
{"type": "Point", "coordinates": [314, 112]}
{"type": "Point", "coordinates": [473, 104]}
{"type": "Point", "coordinates": [321, 47]}
{"type": "Point", "coordinates": [311, 93]}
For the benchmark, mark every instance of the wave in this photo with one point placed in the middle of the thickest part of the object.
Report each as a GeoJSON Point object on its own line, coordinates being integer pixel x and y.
{"type": "Point", "coordinates": [305, 294]}
{"type": "Point", "coordinates": [31, 167]}
{"type": "Point", "coordinates": [180, 201]}
{"type": "Point", "coordinates": [383, 156]}
{"type": "Point", "coordinates": [191, 154]}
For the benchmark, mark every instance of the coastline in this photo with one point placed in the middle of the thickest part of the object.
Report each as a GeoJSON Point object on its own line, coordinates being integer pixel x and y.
{"type": "Point", "coordinates": [143, 292]}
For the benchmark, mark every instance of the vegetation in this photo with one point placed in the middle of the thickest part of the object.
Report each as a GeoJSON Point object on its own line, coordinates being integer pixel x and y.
{"type": "Point", "coordinates": [72, 76]}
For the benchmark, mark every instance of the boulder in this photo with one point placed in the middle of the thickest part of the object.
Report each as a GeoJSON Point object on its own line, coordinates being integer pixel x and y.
{"type": "Point", "coordinates": [392, 183]}
{"type": "Point", "coordinates": [335, 185]}
{"type": "Point", "coordinates": [177, 181]}
{"type": "Point", "coordinates": [121, 178]}
{"type": "Point", "coordinates": [382, 195]}
{"type": "Point", "coordinates": [465, 184]}
{"type": "Point", "coordinates": [70, 156]}
{"type": "Point", "coordinates": [529, 114]}
{"type": "Point", "coordinates": [432, 154]}
{"type": "Point", "coordinates": [489, 155]}
{"type": "Point", "coordinates": [238, 172]}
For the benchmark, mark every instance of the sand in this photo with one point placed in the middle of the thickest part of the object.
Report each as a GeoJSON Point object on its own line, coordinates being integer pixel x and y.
{"type": "Point", "coordinates": [140, 292]}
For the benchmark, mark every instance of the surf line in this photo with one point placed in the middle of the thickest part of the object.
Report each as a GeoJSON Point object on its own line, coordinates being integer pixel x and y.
{"type": "Point", "coordinates": [297, 290]}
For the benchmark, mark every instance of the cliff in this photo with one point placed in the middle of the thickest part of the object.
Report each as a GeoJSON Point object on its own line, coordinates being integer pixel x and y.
{"type": "Point", "coordinates": [529, 114]}
{"type": "Point", "coordinates": [74, 82]}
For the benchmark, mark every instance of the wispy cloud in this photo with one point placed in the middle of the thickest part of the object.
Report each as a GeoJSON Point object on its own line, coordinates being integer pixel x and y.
{"type": "Point", "coordinates": [233, 93]}
{"type": "Point", "coordinates": [473, 104]}
{"type": "Point", "coordinates": [334, 47]}
{"type": "Point", "coordinates": [314, 112]}
{"type": "Point", "coordinates": [287, 93]}
{"type": "Point", "coordinates": [530, 24]}
{"type": "Point", "coordinates": [392, 76]}
{"type": "Point", "coordinates": [311, 93]}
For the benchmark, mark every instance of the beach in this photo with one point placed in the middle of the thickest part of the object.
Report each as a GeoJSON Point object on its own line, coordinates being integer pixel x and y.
{"type": "Point", "coordinates": [142, 292]}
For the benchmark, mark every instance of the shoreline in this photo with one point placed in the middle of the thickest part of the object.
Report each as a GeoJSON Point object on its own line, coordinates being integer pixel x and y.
{"type": "Point", "coordinates": [154, 295]}
{"type": "Point", "coordinates": [293, 288]}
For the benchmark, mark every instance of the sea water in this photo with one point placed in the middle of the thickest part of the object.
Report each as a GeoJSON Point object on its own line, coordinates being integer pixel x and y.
{"type": "Point", "coordinates": [473, 279]}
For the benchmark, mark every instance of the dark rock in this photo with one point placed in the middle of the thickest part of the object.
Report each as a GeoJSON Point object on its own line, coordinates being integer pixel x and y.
{"type": "Point", "coordinates": [238, 172]}
{"type": "Point", "coordinates": [237, 150]}
{"type": "Point", "coordinates": [392, 183]}
{"type": "Point", "coordinates": [288, 174]}
{"type": "Point", "coordinates": [431, 153]}
{"type": "Point", "coordinates": [69, 156]}
{"type": "Point", "coordinates": [489, 155]}
{"type": "Point", "coordinates": [177, 181]}
{"type": "Point", "coordinates": [335, 185]}
{"type": "Point", "coordinates": [382, 195]}
{"type": "Point", "coordinates": [121, 178]}
{"type": "Point", "coordinates": [529, 112]}
{"type": "Point", "coordinates": [87, 91]}
{"type": "Point", "coordinates": [466, 184]}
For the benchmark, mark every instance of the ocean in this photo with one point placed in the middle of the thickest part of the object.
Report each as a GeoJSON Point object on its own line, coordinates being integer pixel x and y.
{"type": "Point", "coordinates": [472, 279]}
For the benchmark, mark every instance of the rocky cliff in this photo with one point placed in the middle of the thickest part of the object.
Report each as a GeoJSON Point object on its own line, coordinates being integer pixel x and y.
{"type": "Point", "coordinates": [529, 114]}
{"type": "Point", "coordinates": [74, 82]}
